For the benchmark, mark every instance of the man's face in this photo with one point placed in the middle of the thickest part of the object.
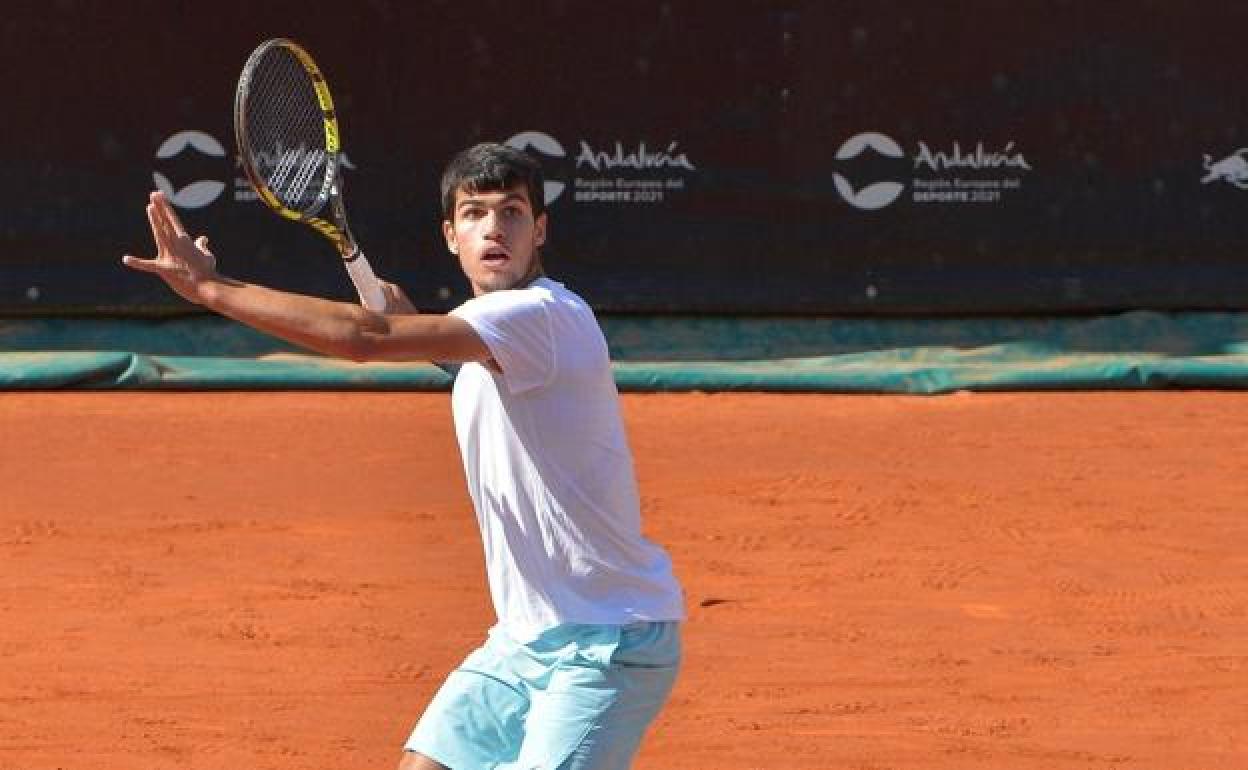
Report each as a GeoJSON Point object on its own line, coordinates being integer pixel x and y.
{"type": "Point", "coordinates": [496, 238]}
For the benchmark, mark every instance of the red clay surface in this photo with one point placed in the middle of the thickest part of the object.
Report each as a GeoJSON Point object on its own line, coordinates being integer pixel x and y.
{"type": "Point", "coordinates": [973, 581]}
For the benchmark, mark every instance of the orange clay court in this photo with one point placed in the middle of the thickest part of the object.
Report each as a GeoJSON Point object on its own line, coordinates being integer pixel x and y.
{"type": "Point", "coordinates": [281, 580]}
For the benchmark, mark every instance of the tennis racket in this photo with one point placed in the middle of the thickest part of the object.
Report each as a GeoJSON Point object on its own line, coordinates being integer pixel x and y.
{"type": "Point", "coordinates": [290, 146]}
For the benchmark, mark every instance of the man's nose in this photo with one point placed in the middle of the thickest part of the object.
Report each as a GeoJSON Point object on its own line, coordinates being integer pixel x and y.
{"type": "Point", "coordinates": [493, 225]}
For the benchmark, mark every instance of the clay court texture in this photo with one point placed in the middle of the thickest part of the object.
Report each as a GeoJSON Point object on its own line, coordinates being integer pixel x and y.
{"type": "Point", "coordinates": [281, 580]}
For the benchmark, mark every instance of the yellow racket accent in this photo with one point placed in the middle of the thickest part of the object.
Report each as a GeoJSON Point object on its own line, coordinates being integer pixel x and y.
{"type": "Point", "coordinates": [331, 134]}
{"type": "Point", "coordinates": [268, 197]}
{"type": "Point", "coordinates": [327, 229]}
{"type": "Point", "coordinates": [322, 92]}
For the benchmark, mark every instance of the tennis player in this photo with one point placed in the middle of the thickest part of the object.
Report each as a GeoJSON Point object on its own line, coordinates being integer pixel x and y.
{"type": "Point", "coordinates": [587, 642]}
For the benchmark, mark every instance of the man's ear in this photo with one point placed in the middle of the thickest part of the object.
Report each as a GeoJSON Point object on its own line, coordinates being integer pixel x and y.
{"type": "Point", "coordinates": [539, 230]}
{"type": "Point", "coordinates": [448, 232]}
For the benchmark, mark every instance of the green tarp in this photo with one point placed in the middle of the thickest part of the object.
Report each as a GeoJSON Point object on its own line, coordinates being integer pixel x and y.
{"type": "Point", "coordinates": [1126, 351]}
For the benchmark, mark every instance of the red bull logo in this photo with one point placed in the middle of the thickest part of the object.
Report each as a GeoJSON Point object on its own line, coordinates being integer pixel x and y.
{"type": "Point", "coordinates": [1233, 169]}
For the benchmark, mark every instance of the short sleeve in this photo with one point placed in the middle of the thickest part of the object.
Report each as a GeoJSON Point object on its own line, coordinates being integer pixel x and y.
{"type": "Point", "coordinates": [515, 325]}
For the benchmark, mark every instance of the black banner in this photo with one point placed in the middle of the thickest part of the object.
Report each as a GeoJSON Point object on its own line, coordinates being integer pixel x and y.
{"type": "Point", "coordinates": [785, 157]}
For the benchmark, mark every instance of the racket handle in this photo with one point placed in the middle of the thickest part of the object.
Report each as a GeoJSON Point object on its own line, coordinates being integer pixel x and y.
{"type": "Point", "coordinates": [366, 283]}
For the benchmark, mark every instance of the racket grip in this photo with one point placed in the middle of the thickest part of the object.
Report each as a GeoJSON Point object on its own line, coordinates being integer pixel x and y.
{"type": "Point", "coordinates": [366, 283]}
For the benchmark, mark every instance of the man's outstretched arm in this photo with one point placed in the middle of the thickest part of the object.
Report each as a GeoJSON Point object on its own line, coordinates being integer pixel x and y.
{"type": "Point", "coordinates": [334, 328]}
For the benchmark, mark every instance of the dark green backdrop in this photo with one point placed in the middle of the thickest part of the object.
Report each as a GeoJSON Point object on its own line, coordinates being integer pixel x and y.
{"type": "Point", "coordinates": [1023, 157]}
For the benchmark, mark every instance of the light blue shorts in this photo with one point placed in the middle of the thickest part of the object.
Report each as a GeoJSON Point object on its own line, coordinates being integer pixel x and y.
{"type": "Point", "coordinates": [579, 697]}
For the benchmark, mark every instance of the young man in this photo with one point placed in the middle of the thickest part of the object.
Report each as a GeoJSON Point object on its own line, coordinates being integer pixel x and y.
{"type": "Point", "coordinates": [586, 647]}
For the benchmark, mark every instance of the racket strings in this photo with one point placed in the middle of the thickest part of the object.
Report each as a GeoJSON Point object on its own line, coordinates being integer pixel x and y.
{"type": "Point", "coordinates": [285, 130]}
{"type": "Point", "coordinates": [291, 130]}
{"type": "Point", "coordinates": [285, 104]}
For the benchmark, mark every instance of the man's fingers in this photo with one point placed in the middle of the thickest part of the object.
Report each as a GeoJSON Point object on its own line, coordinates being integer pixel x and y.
{"type": "Point", "coordinates": [154, 222]}
{"type": "Point", "coordinates": [165, 208]}
{"type": "Point", "coordinates": [160, 229]}
{"type": "Point", "coordinates": [162, 215]}
{"type": "Point", "coordinates": [396, 300]}
{"type": "Point", "coordinates": [145, 265]}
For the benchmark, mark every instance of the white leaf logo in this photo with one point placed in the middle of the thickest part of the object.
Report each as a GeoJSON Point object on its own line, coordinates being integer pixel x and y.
{"type": "Point", "coordinates": [196, 194]}
{"type": "Point", "coordinates": [543, 144]}
{"type": "Point", "coordinates": [878, 194]}
{"type": "Point", "coordinates": [197, 140]}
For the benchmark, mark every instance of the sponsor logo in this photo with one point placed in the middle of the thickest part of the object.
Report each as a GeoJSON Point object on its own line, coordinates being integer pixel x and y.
{"type": "Point", "coordinates": [181, 147]}
{"type": "Point", "coordinates": [197, 194]}
{"type": "Point", "coordinates": [979, 159]}
{"type": "Point", "coordinates": [617, 172]}
{"type": "Point", "coordinates": [638, 159]}
{"type": "Point", "coordinates": [1233, 169]}
{"type": "Point", "coordinates": [545, 145]}
{"type": "Point", "coordinates": [956, 173]}
{"type": "Point", "coordinates": [878, 194]}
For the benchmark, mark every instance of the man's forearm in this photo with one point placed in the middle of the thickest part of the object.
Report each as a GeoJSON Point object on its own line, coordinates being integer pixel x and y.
{"type": "Point", "coordinates": [342, 329]}
{"type": "Point", "coordinates": [325, 326]}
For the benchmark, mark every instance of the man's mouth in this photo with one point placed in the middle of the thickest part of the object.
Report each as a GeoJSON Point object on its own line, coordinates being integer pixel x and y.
{"type": "Point", "coordinates": [494, 257]}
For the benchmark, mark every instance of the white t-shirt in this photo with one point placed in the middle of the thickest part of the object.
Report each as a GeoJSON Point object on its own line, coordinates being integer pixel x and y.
{"type": "Point", "coordinates": [549, 469]}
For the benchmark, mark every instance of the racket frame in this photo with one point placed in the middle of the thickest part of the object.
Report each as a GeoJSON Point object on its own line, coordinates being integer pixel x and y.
{"type": "Point", "coordinates": [334, 227]}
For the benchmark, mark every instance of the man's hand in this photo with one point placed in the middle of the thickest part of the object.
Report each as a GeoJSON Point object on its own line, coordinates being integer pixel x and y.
{"type": "Point", "coordinates": [396, 301]}
{"type": "Point", "coordinates": [182, 263]}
